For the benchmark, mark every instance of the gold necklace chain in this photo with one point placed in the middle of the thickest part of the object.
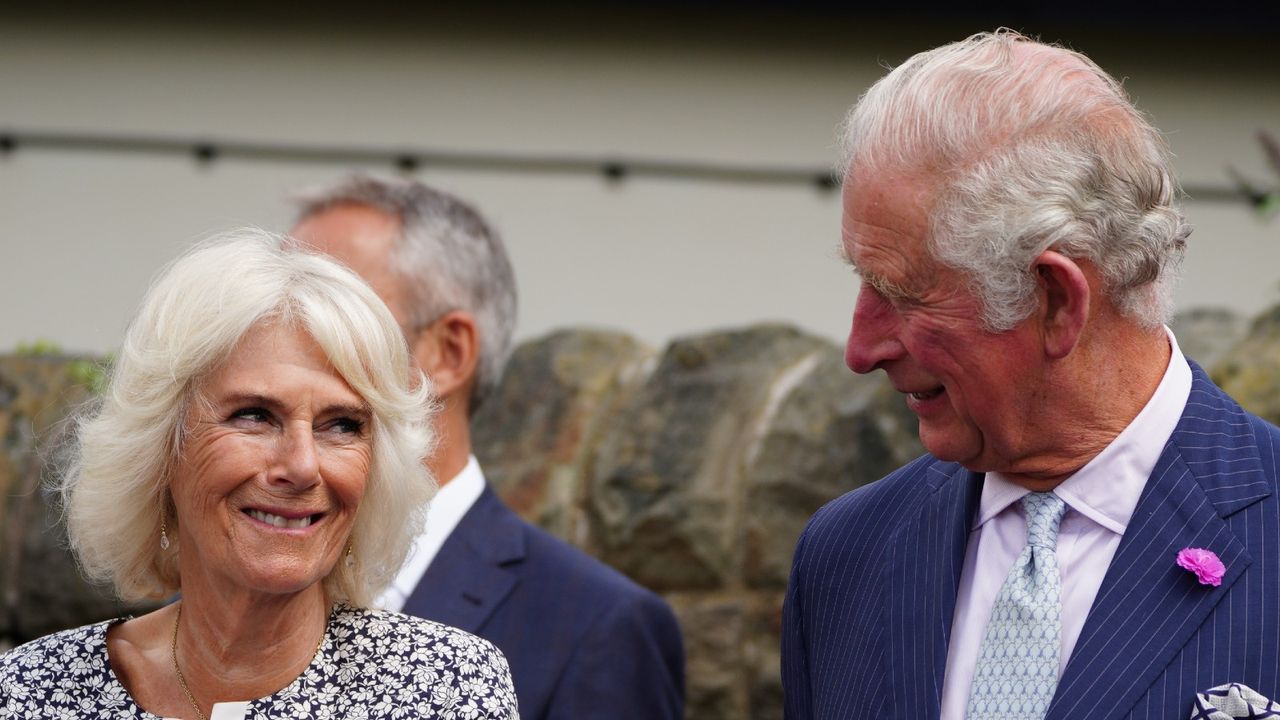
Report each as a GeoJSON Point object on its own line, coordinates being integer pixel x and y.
{"type": "Point", "coordinates": [182, 681]}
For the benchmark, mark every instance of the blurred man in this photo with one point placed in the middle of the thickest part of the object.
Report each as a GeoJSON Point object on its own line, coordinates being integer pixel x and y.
{"type": "Point", "coordinates": [583, 641]}
{"type": "Point", "coordinates": [1094, 532]}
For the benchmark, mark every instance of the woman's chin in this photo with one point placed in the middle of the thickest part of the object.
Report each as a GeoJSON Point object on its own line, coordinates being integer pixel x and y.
{"type": "Point", "coordinates": [287, 580]}
{"type": "Point", "coordinates": [284, 585]}
{"type": "Point", "coordinates": [284, 576]}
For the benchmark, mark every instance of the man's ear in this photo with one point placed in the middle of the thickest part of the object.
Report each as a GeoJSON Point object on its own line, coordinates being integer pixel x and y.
{"type": "Point", "coordinates": [1064, 293]}
{"type": "Point", "coordinates": [448, 351]}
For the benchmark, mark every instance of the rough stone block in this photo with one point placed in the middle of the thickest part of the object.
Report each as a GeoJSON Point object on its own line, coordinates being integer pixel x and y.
{"type": "Point", "coordinates": [713, 625]}
{"type": "Point", "coordinates": [832, 432]}
{"type": "Point", "coordinates": [41, 589]}
{"type": "Point", "coordinates": [762, 655]}
{"type": "Point", "coordinates": [1250, 371]}
{"type": "Point", "coordinates": [534, 436]}
{"type": "Point", "coordinates": [667, 488]}
{"type": "Point", "coordinates": [1207, 334]}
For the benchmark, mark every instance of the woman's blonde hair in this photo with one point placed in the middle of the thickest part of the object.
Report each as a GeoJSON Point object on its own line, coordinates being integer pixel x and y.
{"type": "Point", "coordinates": [115, 488]}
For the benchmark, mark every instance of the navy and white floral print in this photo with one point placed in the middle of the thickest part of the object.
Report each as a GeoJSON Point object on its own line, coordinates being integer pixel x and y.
{"type": "Point", "coordinates": [372, 665]}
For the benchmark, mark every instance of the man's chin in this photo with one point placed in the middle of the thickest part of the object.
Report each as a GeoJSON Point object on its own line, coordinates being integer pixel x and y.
{"type": "Point", "coordinates": [948, 445]}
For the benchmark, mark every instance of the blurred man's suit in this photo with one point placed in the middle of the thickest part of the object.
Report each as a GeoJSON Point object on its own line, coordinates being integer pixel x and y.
{"type": "Point", "coordinates": [591, 647]}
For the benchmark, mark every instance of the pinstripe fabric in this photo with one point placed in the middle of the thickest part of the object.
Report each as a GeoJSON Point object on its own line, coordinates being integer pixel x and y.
{"type": "Point", "coordinates": [868, 612]}
{"type": "Point", "coordinates": [872, 592]}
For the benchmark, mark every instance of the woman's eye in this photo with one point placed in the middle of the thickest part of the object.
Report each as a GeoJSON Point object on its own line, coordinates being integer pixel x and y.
{"type": "Point", "coordinates": [252, 414]}
{"type": "Point", "coordinates": [347, 426]}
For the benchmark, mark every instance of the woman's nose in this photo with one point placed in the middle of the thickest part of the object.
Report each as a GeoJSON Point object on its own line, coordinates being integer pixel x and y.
{"type": "Point", "coordinates": [297, 461]}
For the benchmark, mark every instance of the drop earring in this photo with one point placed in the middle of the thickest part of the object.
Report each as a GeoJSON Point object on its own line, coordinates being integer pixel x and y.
{"type": "Point", "coordinates": [164, 537]}
{"type": "Point", "coordinates": [350, 561]}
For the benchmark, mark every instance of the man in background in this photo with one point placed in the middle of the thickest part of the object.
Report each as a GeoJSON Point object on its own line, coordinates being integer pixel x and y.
{"type": "Point", "coordinates": [583, 641]}
{"type": "Point", "coordinates": [1095, 531]}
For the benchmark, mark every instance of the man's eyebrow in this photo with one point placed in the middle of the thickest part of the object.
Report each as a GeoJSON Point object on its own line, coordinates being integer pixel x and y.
{"type": "Point", "coordinates": [842, 252]}
{"type": "Point", "coordinates": [879, 283]}
{"type": "Point", "coordinates": [884, 286]}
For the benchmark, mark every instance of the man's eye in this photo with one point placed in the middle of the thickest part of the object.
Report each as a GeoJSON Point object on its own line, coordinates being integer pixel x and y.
{"type": "Point", "coordinates": [902, 300]}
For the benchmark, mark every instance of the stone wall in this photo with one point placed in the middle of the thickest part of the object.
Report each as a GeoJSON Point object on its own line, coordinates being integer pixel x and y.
{"type": "Point", "coordinates": [693, 470]}
{"type": "Point", "coordinates": [1250, 370]}
{"type": "Point", "coordinates": [41, 590]}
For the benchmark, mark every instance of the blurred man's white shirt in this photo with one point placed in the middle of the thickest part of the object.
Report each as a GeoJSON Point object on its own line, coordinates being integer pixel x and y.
{"type": "Point", "coordinates": [453, 501]}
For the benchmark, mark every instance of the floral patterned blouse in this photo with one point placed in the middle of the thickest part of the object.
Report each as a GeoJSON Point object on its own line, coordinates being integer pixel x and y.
{"type": "Point", "coordinates": [372, 664]}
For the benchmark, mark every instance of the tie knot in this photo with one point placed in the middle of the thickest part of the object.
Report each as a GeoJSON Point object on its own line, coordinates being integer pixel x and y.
{"type": "Point", "coordinates": [1044, 513]}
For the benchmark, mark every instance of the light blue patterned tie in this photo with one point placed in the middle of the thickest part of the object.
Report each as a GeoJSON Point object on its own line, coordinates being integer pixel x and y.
{"type": "Point", "coordinates": [1017, 671]}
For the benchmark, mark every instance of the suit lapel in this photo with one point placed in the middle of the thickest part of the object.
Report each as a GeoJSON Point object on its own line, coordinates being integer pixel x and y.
{"type": "Point", "coordinates": [475, 568]}
{"type": "Point", "coordinates": [924, 574]}
{"type": "Point", "coordinates": [1147, 607]}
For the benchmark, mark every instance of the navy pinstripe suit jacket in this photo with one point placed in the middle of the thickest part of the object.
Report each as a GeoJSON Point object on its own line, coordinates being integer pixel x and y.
{"type": "Point", "coordinates": [873, 587]}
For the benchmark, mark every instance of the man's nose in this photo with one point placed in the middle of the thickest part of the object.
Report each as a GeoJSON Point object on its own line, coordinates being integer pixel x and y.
{"type": "Point", "coordinates": [873, 338]}
{"type": "Point", "coordinates": [297, 460]}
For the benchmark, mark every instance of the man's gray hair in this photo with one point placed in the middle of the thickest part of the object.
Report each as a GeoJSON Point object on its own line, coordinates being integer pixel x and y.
{"type": "Point", "coordinates": [1030, 147]}
{"type": "Point", "coordinates": [448, 256]}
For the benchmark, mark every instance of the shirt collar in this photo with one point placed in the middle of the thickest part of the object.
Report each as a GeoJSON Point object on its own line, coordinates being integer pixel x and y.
{"type": "Point", "coordinates": [463, 489]}
{"type": "Point", "coordinates": [447, 507]}
{"type": "Point", "coordinates": [1106, 490]}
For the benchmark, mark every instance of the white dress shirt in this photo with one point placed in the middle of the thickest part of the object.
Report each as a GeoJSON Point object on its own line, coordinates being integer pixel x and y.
{"type": "Point", "coordinates": [453, 501]}
{"type": "Point", "coordinates": [1100, 499]}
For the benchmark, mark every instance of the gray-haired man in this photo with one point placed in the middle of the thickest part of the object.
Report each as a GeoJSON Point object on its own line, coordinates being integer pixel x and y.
{"type": "Point", "coordinates": [1015, 222]}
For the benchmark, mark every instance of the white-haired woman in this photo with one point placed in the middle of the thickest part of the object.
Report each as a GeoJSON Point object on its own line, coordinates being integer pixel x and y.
{"type": "Point", "coordinates": [259, 452]}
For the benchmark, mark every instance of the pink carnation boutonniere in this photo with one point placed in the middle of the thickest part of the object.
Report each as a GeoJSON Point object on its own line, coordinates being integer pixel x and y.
{"type": "Point", "coordinates": [1204, 563]}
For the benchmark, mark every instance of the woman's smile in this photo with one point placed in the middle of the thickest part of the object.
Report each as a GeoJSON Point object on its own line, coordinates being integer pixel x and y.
{"type": "Point", "coordinates": [284, 520]}
{"type": "Point", "coordinates": [273, 469]}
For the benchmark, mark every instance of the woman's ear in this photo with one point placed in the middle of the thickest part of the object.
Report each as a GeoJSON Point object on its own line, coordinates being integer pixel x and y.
{"type": "Point", "coordinates": [1064, 291]}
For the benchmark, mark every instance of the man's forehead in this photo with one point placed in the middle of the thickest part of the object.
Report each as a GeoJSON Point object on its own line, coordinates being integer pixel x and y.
{"type": "Point", "coordinates": [893, 208]}
{"type": "Point", "coordinates": [359, 235]}
{"type": "Point", "coordinates": [362, 238]}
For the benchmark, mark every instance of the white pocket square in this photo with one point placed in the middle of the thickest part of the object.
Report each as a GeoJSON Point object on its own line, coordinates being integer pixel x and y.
{"type": "Point", "coordinates": [1231, 701]}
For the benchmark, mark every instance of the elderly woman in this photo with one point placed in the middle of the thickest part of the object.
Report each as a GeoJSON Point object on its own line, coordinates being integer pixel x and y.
{"type": "Point", "coordinates": [259, 453]}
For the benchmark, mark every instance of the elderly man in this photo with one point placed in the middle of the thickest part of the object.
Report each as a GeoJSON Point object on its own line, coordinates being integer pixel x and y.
{"type": "Point", "coordinates": [1093, 533]}
{"type": "Point", "coordinates": [582, 640]}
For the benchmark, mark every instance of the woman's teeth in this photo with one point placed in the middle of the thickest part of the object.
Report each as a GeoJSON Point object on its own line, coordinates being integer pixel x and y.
{"type": "Point", "coordinates": [278, 521]}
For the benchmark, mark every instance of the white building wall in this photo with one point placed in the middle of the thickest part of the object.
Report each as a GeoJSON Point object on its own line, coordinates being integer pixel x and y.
{"type": "Point", "coordinates": [81, 233]}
